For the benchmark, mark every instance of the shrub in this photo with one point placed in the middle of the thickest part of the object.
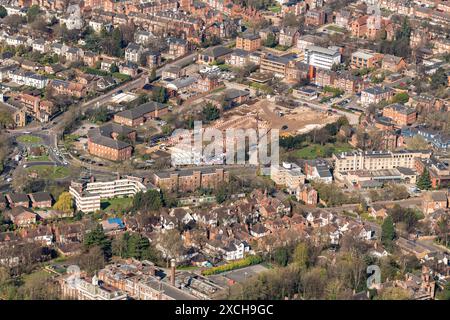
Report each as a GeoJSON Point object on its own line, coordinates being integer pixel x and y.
{"type": "Point", "coordinates": [238, 264]}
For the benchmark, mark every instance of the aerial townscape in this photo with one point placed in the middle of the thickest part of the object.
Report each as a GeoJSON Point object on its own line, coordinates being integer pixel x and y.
{"type": "Point", "coordinates": [102, 197]}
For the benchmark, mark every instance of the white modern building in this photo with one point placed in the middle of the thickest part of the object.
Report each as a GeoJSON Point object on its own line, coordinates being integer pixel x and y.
{"type": "Point", "coordinates": [88, 195]}
{"type": "Point", "coordinates": [27, 78]}
{"type": "Point", "coordinates": [321, 57]}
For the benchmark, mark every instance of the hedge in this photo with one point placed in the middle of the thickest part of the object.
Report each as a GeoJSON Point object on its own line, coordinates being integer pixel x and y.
{"type": "Point", "coordinates": [242, 263]}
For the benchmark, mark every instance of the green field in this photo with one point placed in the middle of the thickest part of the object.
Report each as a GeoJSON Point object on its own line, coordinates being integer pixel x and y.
{"type": "Point", "coordinates": [38, 158]}
{"type": "Point", "coordinates": [27, 138]}
{"type": "Point", "coordinates": [50, 172]}
{"type": "Point", "coordinates": [317, 151]}
{"type": "Point", "coordinates": [117, 204]}
{"type": "Point", "coordinates": [335, 28]}
{"type": "Point", "coordinates": [275, 9]}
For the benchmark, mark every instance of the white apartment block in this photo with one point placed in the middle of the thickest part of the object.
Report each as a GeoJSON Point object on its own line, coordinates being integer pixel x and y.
{"type": "Point", "coordinates": [289, 175]}
{"type": "Point", "coordinates": [320, 57]}
{"type": "Point", "coordinates": [87, 196]}
{"type": "Point", "coordinates": [376, 160]}
{"type": "Point", "coordinates": [27, 78]}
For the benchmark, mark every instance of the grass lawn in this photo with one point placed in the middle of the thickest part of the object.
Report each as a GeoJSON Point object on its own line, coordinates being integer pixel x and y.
{"type": "Point", "coordinates": [50, 172]}
{"type": "Point", "coordinates": [275, 9]}
{"type": "Point", "coordinates": [38, 158]}
{"type": "Point", "coordinates": [317, 151]}
{"type": "Point", "coordinates": [335, 28]}
{"type": "Point", "coordinates": [27, 138]}
{"type": "Point", "coordinates": [117, 204]}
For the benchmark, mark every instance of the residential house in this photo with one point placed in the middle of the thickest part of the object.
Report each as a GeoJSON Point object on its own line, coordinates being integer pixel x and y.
{"type": "Point", "coordinates": [22, 217]}
{"type": "Point", "coordinates": [41, 199]}
{"type": "Point", "coordinates": [18, 200]}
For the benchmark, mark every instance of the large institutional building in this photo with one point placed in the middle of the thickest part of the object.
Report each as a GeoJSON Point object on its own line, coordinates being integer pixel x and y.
{"type": "Point", "coordinates": [88, 195]}
{"type": "Point", "coordinates": [377, 160]}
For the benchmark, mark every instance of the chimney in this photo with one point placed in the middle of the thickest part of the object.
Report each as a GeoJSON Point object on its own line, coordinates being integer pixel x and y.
{"type": "Point", "coordinates": [91, 179]}
{"type": "Point", "coordinates": [172, 272]}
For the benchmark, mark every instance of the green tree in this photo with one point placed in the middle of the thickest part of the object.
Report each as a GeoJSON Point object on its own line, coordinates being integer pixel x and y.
{"type": "Point", "coordinates": [401, 97]}
{"type": "Point", "coordinates": [424, 181]}
{"type": "Point", "coordinates": [301, 255]}
{"type": "Point", "coordinates": [32, 13]}
{"type": "Point", "coordinates": [3, 12]}
{"type": "Point", "coordinates": [160, 94]}
{"type": "Point", "coordinates": [438, 79]}
{"type": "Point", "coordinates": [98, 238]}
{"type": "Point", "coordinates": [281, 256]}
{"type": "Point", "coordinates": [64, 203]}
{"type": "Point", "coordinates": [114, 68]}
{"type": "Point", "coordinates": [148, 201]}
{"type": "Point", "coordinates": [271, 40]}
{"type": "Point", "coordinates": [388, 233]}
{"type": "Point", "coordinates": [210, 113]}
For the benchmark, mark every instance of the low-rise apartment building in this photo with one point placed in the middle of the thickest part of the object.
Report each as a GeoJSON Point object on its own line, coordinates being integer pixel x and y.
{"type": "Point", "coordinates": [289, 175]}
{"type": "Point", "coordinates": [377, 160]}
{"type": "Point", "coordinates": [88, 195]}
{"type": "Point", "coordinates": [400, 114]}
{"type": "Point", "coordinates": [248, 42]}
{"type": "Point", "coordinates": [365, 59]}
{"type": "Point", "coordinates": [191, 179]}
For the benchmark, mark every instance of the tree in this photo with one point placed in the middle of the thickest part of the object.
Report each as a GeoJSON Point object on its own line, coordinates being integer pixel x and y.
{"type": "Point", "coordinates": [281, 256]}
{"type": "Point", "coordinates": [424, 181]}
{"type": "Point", "coordinates": [438, 79]}
{"type": "Point", "coordinates": [64, 203]}
{"type": "Point", "coordinates": [271, 40]}
{"type": "Point", "coordinates": [114, 68]}
{"type": "Point", "coordinates": [97, 237]}
{"type": "Point", "coordinates": [210, 113]}
{"type": "Point", "coordinates": [159, 94]}
{"type": "Point", "coordinates": [394, 293]}
{"type": "Point", "coordinates": [401, 97]}
{"type": "Point", "coordinates": [3, 12]}
{"type": "Point", "coordinates": [416, 143]}
{"type": "Point", "coordinates": [148, 201]}
{"type": "Point", "coordinates": [152, 75]}
{"type": "Point", "coordinates": [171, 244]}
{"type": "Point", "coordinates": [443, 227]}
{"type": "Point", "coordinates": [92, 261]}
{"type": "Point", "coordinates": [388, 233]}
{"type": "Point", "coordinates": [301, 255]}
{"type": "Point", "coordinates": [32, 13]}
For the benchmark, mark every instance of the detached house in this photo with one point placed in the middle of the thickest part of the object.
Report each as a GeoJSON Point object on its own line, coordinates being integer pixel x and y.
{"type": "Point", "coordinates": [133, 52]}
{"type": "Point", "coordinates": [22, 216]}
{"type": "Point", "coordinates": [288, 36]}
{"type": "Point", "coordinates": [393, 63]}
{"type": "Point", "coordinates": [40, 45]}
